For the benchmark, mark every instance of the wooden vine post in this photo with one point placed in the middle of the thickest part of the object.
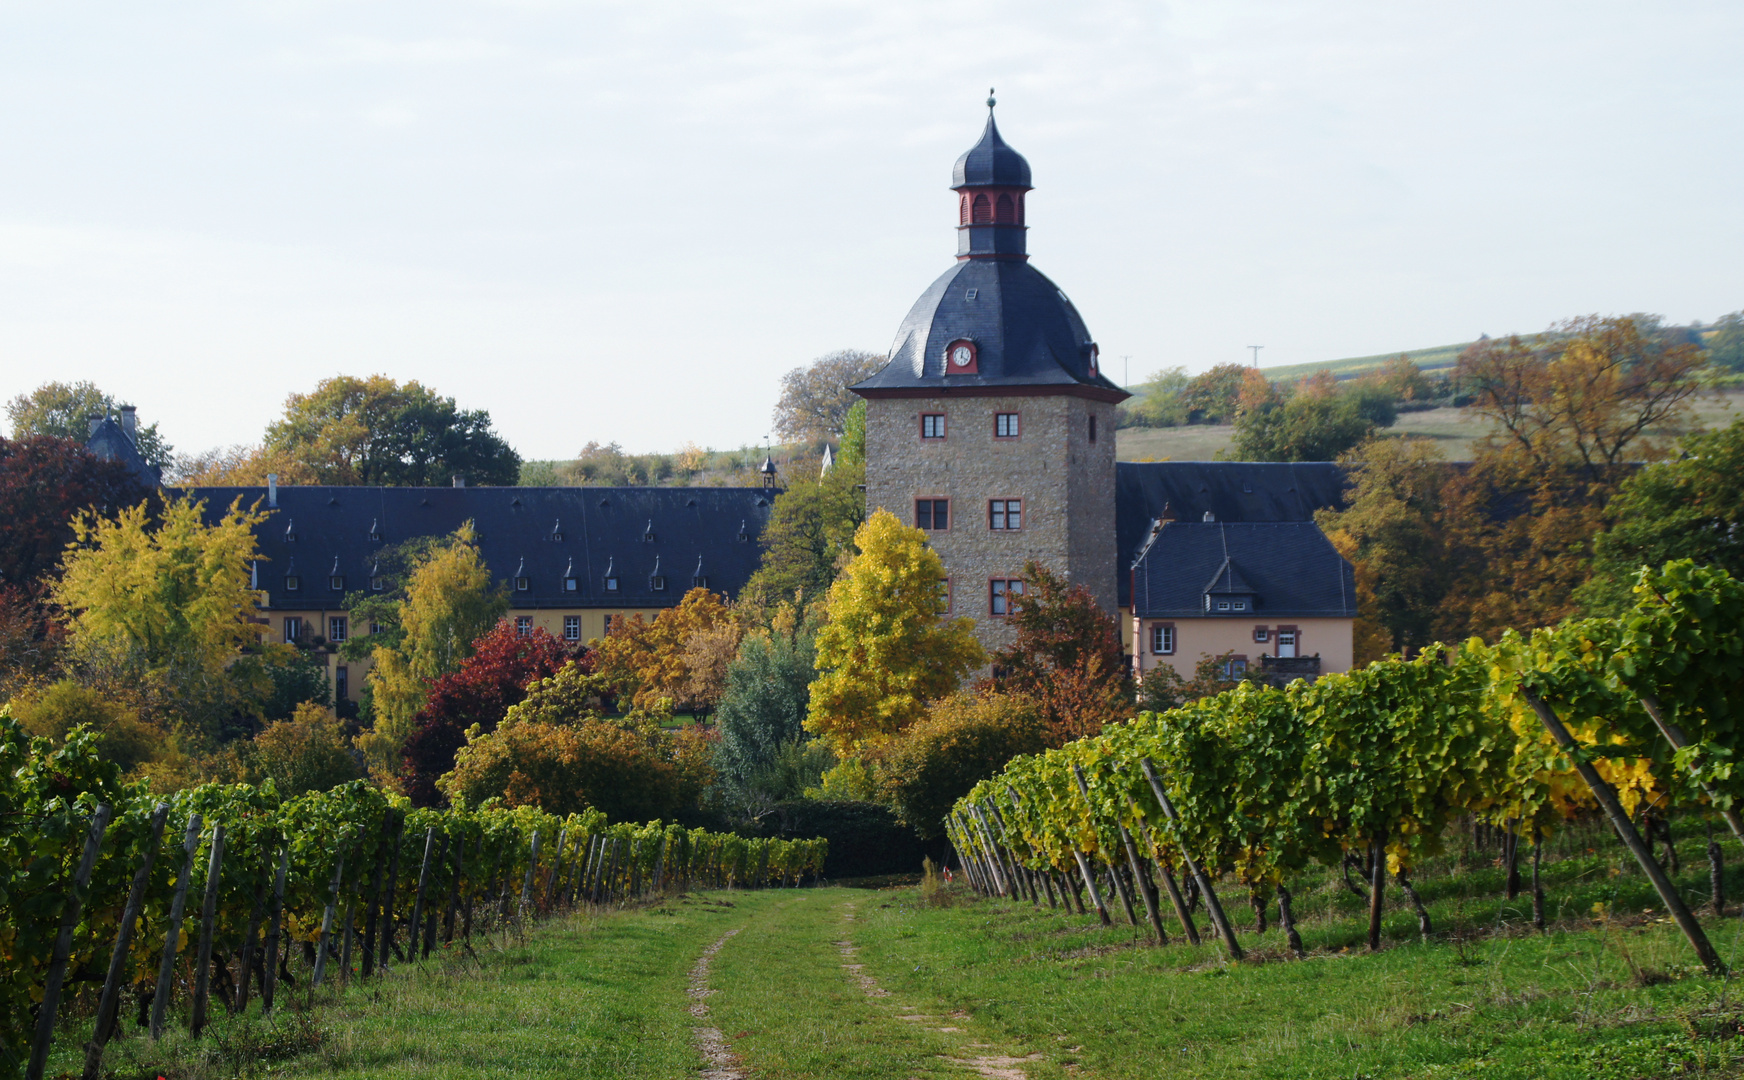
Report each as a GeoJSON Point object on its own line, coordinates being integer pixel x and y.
{"type": "Point", "coordinates": [1212, 906]}
{"type": "Point", "coordinates": [63, 946]}
{"type": "Point", "coordinates": [1625, 828]}
{"type": "Point", "coordinates": [1675, 736]}
{"type": "Point", "coordinates": [1083, 864]}
{"type": "Point", "coordinates": [1174, 890]}
{"type": "Point", "coordinates": [1145, 889]}
{"type": "Point", "coordinates": [321, 943]}
{"type": "Point", "coordinates": [431, 912]}
{"type": "Point", "coordinates": [208, 915]}
{"type": "Point", "coordinates": [160, 999]}
{"type": "Point", "coordinates": [109, 1004]}
{"type": "Point", "coordinates": [276, 927]}
{"type": "Point", "coordinates": [418, 900]}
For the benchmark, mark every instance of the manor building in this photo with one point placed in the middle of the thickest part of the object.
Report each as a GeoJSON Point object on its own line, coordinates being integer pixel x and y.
{"type": "Point", "coordinates": [991, 427]}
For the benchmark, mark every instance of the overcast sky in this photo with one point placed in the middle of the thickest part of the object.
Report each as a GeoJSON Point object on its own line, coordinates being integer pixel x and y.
{"type": "Point", "coordinates": [624, 221]}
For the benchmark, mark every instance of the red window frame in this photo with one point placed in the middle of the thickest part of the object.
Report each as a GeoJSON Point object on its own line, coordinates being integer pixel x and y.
{"type": "Point", "coordinates": [1016, 425]}
{"type": "Point", "coordinates": [932, 511]}
{"type": "Point", "coordinates": [999, 593]}
{"type": "Point", "coordinates": [1005, 512]}
{"type": "Point", "coordinates": [944, 426]}
{"type": "Point", "coordinates": [1262, 634]}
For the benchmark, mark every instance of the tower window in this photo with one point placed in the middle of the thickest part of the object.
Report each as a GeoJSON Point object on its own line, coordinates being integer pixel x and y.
{"type": "Point", "coordinates": [1006, 214]}
{"type": "Point", "coordinates": [1005, 514]}
{"type": "Point", "coordinates": [1092, 429]}
{"type": "Point", "coordinates": [982, 212]}
{"type": "Point", "coordinates": [933, 514]}
{"type": "Point", "coordinates": [524, 625]}
{"type": "Point", "coordinates": [945, 596]}
{"type": "Point", "coordinates": [1000, 593]}
{"type": "Point", "coordinates": [932, 425]}
{"type": "Point", "coordinates": [572, 628]}
{"type": "Point", "coordinates": [1005, 425]}
{"type": "Point", "coordinates": [963, 211]}
{"type": "Point", "coordinates": [1163, 639]}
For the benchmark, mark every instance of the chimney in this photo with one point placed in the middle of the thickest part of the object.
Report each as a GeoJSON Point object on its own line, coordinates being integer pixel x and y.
{"type": "Point", "coordinates": [130, 423]}
{"type": "Point", "coordinates": [459, 480]}
{"type": "Point", "coordinates": [272, 489]}
{"type": "Point", "coordinates": [95, 420]}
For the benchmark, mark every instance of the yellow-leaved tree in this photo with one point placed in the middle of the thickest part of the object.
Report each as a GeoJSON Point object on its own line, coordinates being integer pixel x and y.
{"type": "Point", "coordinates": [886, 652]}
{"type": "Point", "coordinates": [450, 602]}
{"type": "Point", "coordinates": [159, 606]}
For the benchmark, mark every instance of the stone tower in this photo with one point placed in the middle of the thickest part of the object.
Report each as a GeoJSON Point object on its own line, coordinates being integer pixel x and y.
{"type": "Point", "coordinates": [992, 426]}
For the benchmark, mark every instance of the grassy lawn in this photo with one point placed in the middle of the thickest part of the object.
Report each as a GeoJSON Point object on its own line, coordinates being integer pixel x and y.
{"type": "Point", "coordinates": [880, 983]}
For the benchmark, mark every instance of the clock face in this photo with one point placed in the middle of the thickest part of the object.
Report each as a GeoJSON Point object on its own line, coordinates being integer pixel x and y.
{"type": "Point", "coordinates": [961, 356]}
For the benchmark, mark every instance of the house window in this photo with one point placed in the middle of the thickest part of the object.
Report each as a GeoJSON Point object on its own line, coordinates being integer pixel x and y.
{"type": "Point", "coordinates": [932, 425]}
{"type": "Point", "coordinates": [934, 514]}
{"type": "Point", "coordinates": [611, 584]}
{"type": "Point", "coordinates": [1163, 639]}
{"type": "Point", "coordinates": [293, 583]}
{"type": "Point", "coordinates": [1005, 425]}
{"type": "Point", "coordinates": [293, 629]}
{"type": "Point", "coordinates": [376, 583]}
{"type": "Point", "coordinates": [1235, 668]}
{"type": "Point", "coordinates": [1092, 429]}
{"type": "Point", "coordinates": [572, 628]}
{"type": "Point", "coordinates": [375, 628]}
{"type": "Point", "coordinates": [570, 584]}
{"type": "Point", "coordinates": [1000, 593]}
{"type": "Point", "coordinates": [657, 583]}
{"type": "Point", "coordinates": [336, 583]}
{"type": "Point", "coordinates": [608, 624]}
{"type": "Point", "coordinates": [336, 627]}
{"type": "Point", "coordinates": [1005, 514]}
{"type": "Point", "coordinates": [341, 683]}
{"type": "Point", "coordinates": [524, 625]}
{"type": "Point", "coordinates": [523, 584]}
{"type": "Point", "coordinates": [1262, 635]}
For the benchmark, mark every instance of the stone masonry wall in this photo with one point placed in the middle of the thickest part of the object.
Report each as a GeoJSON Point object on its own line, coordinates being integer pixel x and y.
{"type": "Point", "coordinates": [1066, 485]}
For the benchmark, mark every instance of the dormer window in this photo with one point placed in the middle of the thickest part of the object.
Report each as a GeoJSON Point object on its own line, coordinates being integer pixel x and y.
{"type": "Point", "coordinates": [377, 583]}
{"type": "Point", "coordinates": [557, 530]}
{"type": "Point", "coordinates": [611, 584]}
{"type": "Point", "coordinates": [1239, 605]}
{"type": "Point", "coordinates": [523, 584]}
{"type": "Point", "coordinates": [290, 530]}
{"type": "Point", "coordinates": [657, 583]}
{"type": "Point", "coordinates": [648, 534]}
{"type": "Point", "coordinates": [293, 583]}
{"type": "Point", "coordinates": [744, 537]}
{"type": "Point", "coordinates": [375, 531]}
{"type": "Point", "coordinates": [336, 582]}
{"type": "Point", "coordinates": [570, 584]}
{"type": "Point", "coordinates": [699, 582]}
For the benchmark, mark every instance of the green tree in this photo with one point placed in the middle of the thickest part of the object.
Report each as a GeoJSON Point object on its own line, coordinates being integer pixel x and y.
{"type": "Point", "coordinates": [815, 400]}
{"type": "Point", "coordinates": [163, 604]}
{"type": "Point", "coordinates": [1161, 401]}
{"type": "Point", "coordinates": [1726, 347]}
{"type": "Point", "coordinates": [854, 437]}
{"type": "Point", "coordinates": [963, 739]}
{"type": "Point", "coordinates": [886, 653]}
{"type": "Point", "coordinates": [1391, 532]}
{"type": "Point", "coordinates": [762, 714]}
{"type": "Point", "coordinates": [377, 431]}
{"type": "Point", "coordinates": [810, 535]}
{"type": "Point", "coordinates": [1306, 427]}
{"type": "Point", "coordinates": [57, 710]}
{"type": "Point", "coordinates": [450, 602]}
{"type": "Point", "coordinates": [1211, 396]}
{"type": "Point", "coordinates": [63, 410]}
{"type": "Point", "coordinates": [308, 752]}
{"type": "Point", "coordinates": [1690, 508]}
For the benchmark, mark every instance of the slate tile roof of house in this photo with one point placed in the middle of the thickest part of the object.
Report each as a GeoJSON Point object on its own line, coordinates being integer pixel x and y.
{"type": "Point", "coordinates": [1289, 569]}
{"type": "Point", "coordinates": [1246, 491]}
{"type": "Point", "coordinates": [542, 534]}
{"type": "Point", "coordinates": [110, 442]}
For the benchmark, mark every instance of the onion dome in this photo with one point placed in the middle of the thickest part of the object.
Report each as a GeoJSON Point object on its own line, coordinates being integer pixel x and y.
{"type": "Point", "coordinates": [990, 163]}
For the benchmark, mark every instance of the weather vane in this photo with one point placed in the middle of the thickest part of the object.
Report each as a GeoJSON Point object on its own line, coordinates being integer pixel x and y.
{"type": "Point", "coordinates": [990, 101]}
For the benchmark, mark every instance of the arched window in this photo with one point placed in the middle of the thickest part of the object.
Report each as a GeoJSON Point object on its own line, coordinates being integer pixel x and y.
{"type": "Point", "coordinates": [1007, 212]}
{"type": "Point", "coordinates": [983, 211]}
{"type": "Point", "coordinates": [1020, 208]}
{"type": "Point", "coordinates": [963, 211]}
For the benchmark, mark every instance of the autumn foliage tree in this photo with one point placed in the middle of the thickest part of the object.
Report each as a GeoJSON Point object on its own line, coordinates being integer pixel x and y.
{"type": "Point", "coordinates": [1066, 657]}
{"type": "Point", "coordinates": [490, 681]}
{"type": "Point", "coordinates": [679, 657]}
{"type": "Point", "coordinates": [886, 652]}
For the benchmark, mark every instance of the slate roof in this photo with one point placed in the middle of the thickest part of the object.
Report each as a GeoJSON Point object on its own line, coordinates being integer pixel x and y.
{"type": "Point", "coordinates": [990, 163]}
{"type": "Point", "coordinates": [111, 443]}
{"type": "Point", "coordinates": [541, 533]}
{"type": "Point", "coordinates": [1026, 333]}
{"type": "Point", "coordinates": [1289, 568]}
{"type": "Point", "coordinates": [1231, 490]}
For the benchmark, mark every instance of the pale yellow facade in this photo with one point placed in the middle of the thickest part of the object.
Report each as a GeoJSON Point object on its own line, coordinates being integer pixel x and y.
{"type": "Point", "coordinates": [1194, 638]}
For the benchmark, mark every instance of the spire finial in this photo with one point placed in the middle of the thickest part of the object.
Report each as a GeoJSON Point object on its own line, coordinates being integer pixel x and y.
{"type": "Point", "coordinates": [990, 100]}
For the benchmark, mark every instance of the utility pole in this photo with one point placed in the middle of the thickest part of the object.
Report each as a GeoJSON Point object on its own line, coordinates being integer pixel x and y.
{"type": "Point", "coordinates": [1256, 349]}
{"type": "Point", "coordinates": [1126, 371]}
